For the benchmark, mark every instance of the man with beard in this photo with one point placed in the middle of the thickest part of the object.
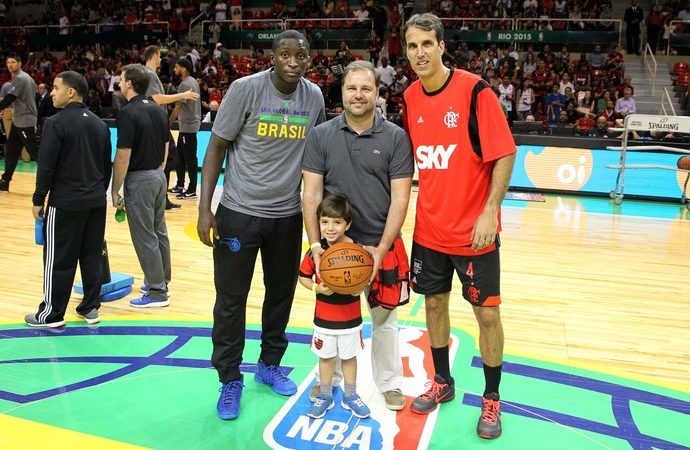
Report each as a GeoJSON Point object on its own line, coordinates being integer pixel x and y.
{"type": "Point", "coordinates": [369, 160]}
{"type": "Point", "coordinates": [188, 115]}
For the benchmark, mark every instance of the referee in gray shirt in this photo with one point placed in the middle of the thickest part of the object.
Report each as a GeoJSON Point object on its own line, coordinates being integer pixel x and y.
{"type": "Point", "coordinates": [22, 97]}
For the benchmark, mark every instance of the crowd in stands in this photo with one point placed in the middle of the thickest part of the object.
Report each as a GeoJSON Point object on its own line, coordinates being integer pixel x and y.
{"type": "Point", "coordinates": [554, 87]}
{"type": "Point", "coordinates": [79, 12]}
{"type": "Point", "coordinates": [578, 13]}
{"type": "Point", "coordinates": [546, 85]}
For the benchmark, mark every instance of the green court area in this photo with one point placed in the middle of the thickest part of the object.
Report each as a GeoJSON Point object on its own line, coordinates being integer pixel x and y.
{"type": "Point", "coordinates": [151, 384]}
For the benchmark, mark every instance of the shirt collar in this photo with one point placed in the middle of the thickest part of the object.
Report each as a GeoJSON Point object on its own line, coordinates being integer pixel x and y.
{"type": "Point", "coordinates": [138, 97]}
{"type": "Point", "coordinates": [376, 128]}
{"type": "Point", "coordinates": [74, 105]}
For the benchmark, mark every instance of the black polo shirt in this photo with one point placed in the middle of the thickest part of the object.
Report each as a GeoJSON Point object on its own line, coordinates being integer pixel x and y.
{"type": "Point", "coordinates": [142, 125]}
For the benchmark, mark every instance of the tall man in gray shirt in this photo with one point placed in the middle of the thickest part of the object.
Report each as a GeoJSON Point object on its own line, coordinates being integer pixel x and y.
{"type": "Point", "coordinates": [368, 159]}
{"type": "Point", "coordinates": [260, 130]}
{"type": "Point", "coordinates": [22, 97]}
{"type": "Point", "coordinates": [188, 115]}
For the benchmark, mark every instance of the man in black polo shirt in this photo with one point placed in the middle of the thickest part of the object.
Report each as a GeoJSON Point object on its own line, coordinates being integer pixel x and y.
{"type": "Point", "coordinates": [142, 149]}
{"type": "Point", "coordinates": [74, 166]}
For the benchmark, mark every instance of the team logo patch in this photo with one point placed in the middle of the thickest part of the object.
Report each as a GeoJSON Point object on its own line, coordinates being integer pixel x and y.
{"type": "Point", "coordinates": [451, 119]}
{"type": "Point", "coordinates": [232, 243]}
{"type": "Point", "coordinates": [318, 343]}
{"type": "Point", "coordinates": [473, 293]}
{"type": "Point", "coordinates": [291, 428]}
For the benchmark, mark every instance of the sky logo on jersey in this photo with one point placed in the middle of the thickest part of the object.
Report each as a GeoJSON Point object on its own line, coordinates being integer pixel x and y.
{"type": "Point", "coordinates": [433, 157]}
{"type": "Point", "coordinates": [385, 429]}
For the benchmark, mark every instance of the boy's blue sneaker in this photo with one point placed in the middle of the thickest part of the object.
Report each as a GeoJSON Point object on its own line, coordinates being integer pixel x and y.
{"type": "Point", "coordinates": [228, 406]}
{"type": "Point", "coordinates": [356, 405]}
{"type": "Point", "coordinates": [322, 403]}
{"type": "Point", "coordinates": [272, 376]}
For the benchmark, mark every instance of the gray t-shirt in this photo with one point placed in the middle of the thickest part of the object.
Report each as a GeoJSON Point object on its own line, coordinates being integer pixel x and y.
{"type": "Point", "coordinates": [360, 167]}
{"type": "Point", "coordinates": [189, 119]}
{"type": "Point", "coordinates": [5, 89]}
{"type": "Point", "coordinates": [25, 112]}
{"type": "Point", "coordinates": [267, 130]}
{"type": "Point", "coordinates": [155, 85]}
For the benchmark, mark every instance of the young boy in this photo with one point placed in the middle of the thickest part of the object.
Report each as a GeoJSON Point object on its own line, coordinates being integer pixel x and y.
{"type": "Point", "coordinates": [337, 317]}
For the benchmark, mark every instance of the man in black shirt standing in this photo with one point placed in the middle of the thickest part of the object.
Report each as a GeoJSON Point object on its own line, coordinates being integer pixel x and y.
{"type": "Point", "coordinates": [633, 18]}
{"type": "Point", "coordinates": [74, 166]}
{"type": "Point", "coordinates": [142, 149]}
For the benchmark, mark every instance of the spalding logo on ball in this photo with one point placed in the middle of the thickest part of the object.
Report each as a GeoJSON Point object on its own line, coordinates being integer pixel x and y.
{"type": "Point", "coordinates": [346, 268]}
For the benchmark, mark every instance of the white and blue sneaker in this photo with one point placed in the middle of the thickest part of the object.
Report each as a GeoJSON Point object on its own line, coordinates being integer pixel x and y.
{"type": "Point", "coordinates": [321, 404]}
{"type": "Point", "coordinates": [355, 404]}
{"type": "Point", "coordinates": [147, 302]}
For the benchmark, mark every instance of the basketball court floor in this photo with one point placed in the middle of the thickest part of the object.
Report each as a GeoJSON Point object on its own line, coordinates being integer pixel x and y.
{"type": "Point", "coordinates": [596, 311]}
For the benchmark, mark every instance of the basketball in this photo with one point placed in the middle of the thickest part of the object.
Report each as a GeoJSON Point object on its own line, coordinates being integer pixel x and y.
{"type": "Point", "coordinates": [346, 268]}
{"type": "Point", "coordinates": [684, 162]}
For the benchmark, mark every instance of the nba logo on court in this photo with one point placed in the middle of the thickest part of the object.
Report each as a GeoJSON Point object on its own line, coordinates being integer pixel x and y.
{"type": "Point", "coordinates": [385, 429]}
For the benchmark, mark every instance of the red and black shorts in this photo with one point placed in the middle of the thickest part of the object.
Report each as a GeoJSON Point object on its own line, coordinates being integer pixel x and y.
{"type": "Point", "coordinates": [432, 273]}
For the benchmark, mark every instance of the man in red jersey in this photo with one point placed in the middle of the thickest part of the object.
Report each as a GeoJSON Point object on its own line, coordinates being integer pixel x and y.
{"type": "Point", "coordinates": [465, 153]}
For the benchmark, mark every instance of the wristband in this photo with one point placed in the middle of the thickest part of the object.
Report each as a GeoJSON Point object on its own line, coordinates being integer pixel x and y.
{"type": "Point", "coordinates": [313, 287]}
{"type": "Point", "coordinates": [315, 244]}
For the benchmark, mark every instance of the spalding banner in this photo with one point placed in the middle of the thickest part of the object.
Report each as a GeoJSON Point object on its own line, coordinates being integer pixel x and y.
{"type": "Point", "coordinates": [647, 122]}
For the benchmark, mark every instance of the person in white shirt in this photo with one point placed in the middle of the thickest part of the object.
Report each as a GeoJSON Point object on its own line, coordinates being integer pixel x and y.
{"type": "Point", "coordinates": [221, 11]}
{"type": "Point", "coordinates": [560, 9]}
{"type": "Point", "coordinates": [565, 83]}
{"type": "Point", "coordinates": [210, 69]}
{"type": "Point", "coordinates": [525, 99]}
{"type": "Point", "coordinates": [446, 8]}
{"type": "Point", "coordinates": [685, 13]}
{"type": "Point", "coordinates": [386, 73]}
{"type": "Point", "coordinates": [64, 23]}
{"type": "Point", "coordinates": [362, 14]}
{"type": "Point", "coordinates": [527, 3]}
{"type": "Point", "coordinates": [400, 83]}
{"type": "Point", "coordinates": [506, 94]}
{"type": "Point", "coordinates": [382, 102]}
{"type": "Point", "coordinates": [213, 33]}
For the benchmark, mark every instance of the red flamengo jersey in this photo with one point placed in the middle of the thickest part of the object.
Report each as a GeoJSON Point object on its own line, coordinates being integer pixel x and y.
{"type": "Point", "coordinates": [457, 133]}
{"type": "Point", "coordinates": [336, 313]}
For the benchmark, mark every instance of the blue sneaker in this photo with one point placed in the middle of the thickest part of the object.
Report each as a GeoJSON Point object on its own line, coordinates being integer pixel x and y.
{"type": "Point", "coordinates": [322, 403]}
{"type": "Point", "coordinates": [356, 405]}
{"type": "Point", "coordinates": [272, 376]}
{"type": "Point", "coordinates": [148, 302]}
{"type": "Point", "coordinates": [228, 406]}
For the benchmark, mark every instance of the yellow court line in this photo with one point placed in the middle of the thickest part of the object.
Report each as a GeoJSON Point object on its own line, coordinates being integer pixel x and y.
{"type": "Point", "coordinates": [22, 434]}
